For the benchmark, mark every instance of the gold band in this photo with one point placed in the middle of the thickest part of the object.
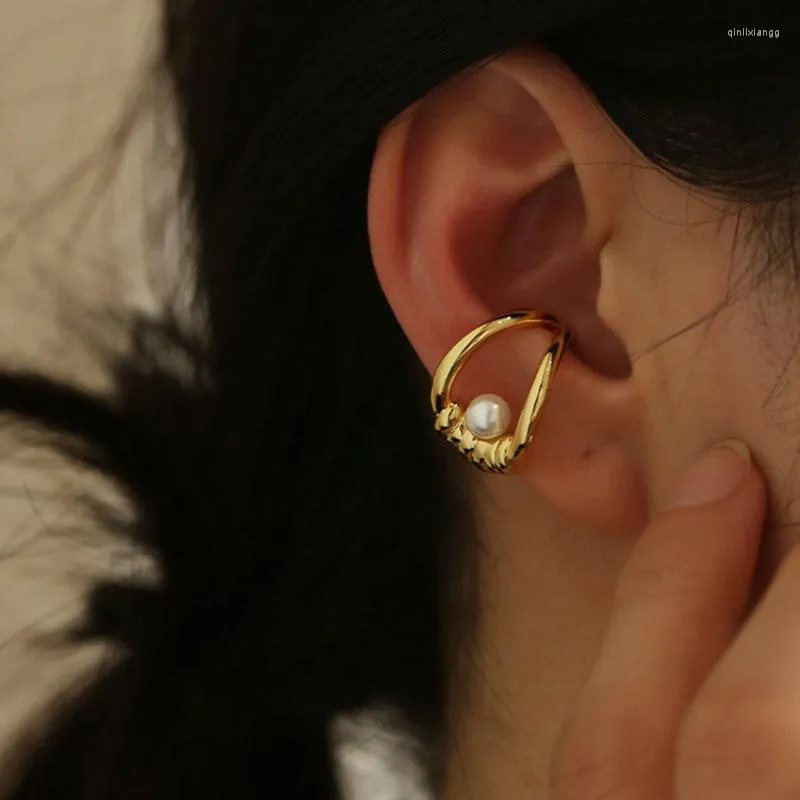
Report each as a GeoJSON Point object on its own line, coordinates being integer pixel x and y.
{"type": "Point", "coordinates": [499, 454]}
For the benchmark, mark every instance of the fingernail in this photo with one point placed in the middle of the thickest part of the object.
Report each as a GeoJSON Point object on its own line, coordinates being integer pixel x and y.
{"type": "Point", "coordinates": [717, 474]}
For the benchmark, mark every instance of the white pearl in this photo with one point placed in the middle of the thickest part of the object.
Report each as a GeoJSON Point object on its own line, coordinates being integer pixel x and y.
{"type": "Point", "coordinates": [488, 416]}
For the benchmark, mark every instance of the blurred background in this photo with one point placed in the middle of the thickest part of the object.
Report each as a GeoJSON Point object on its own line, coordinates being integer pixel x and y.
{"type": "Point", "coordinates": [86, 156]}
{"type": "Point", "coordinates": [73, 142]}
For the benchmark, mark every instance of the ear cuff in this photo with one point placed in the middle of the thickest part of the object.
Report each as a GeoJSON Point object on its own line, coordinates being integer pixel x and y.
{"type": "Point", "coordinates": [479, 431]}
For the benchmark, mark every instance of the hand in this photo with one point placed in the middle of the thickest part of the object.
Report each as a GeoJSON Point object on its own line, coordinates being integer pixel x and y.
{"type": "Point", "coordinates": [687, 699]}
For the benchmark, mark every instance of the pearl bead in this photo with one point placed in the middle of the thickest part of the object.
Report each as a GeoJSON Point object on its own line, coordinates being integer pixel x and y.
{"type": "Point", "coordinates": [488, 416]}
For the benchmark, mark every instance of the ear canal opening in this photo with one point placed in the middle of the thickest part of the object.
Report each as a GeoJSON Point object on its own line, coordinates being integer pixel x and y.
{"type": "Point", "coordinates": [604, 352]}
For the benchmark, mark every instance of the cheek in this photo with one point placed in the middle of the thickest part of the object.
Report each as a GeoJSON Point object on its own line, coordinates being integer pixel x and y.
{"type": "Point", "coordinates": [669, 265]}
{"type": "Point", "coordinates": [709, 383]}
{"type": "Point", "coordinates": [704, 380]}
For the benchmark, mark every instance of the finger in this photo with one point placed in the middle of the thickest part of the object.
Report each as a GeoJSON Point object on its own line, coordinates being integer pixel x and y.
{"type": "Point", "coordinates": [678, 600]}
{"type": "Point", "coordinates": [741, 738]}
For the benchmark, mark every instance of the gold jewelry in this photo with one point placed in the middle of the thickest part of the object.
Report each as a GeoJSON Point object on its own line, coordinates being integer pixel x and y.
{"type": "Point", "coordinates": [478, 431]}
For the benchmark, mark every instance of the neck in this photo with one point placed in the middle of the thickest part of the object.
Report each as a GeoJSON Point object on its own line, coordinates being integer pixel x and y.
{"type": "Point", "coordinates": [545, 589]}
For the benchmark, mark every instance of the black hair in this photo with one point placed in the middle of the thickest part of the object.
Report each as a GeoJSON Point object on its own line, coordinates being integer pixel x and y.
{"type": "Point", "coordinates": [312, 535]}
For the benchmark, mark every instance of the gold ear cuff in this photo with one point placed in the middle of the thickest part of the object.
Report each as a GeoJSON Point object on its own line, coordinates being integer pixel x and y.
{"type": "Point", "coordinates": [479, 430]}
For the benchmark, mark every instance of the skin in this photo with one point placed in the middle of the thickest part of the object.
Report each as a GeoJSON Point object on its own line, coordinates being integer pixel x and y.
{"type": "Point", "coordinates": [511, 189]}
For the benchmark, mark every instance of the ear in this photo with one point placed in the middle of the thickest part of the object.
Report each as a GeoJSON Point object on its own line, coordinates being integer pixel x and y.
{"type": "Point", "coordinates": [497, 192]}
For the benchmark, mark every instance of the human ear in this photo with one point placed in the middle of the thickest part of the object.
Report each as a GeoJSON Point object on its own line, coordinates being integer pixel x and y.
{"type": "Point", "coordinates": [498, 192]}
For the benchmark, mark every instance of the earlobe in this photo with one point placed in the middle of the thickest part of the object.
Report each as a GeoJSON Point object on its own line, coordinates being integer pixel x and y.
{"type": "Point", "coordinates": [478, 207]}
